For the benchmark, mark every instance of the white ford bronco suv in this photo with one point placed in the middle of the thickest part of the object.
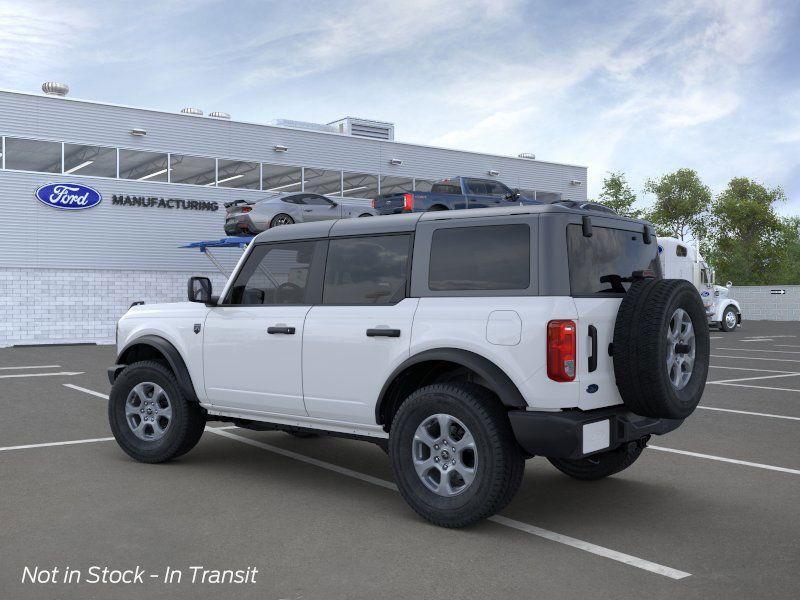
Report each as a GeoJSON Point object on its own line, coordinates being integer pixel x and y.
{"type": "Point", "coordinates": [462, 342]}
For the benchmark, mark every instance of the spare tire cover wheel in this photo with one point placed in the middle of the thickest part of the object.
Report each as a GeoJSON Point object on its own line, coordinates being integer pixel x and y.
{"type": "Point", "coordinates": [661, 348]}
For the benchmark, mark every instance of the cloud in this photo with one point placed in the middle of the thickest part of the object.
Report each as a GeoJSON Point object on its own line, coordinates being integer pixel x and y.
{"type": "Point", "coordinates": [35, 37]}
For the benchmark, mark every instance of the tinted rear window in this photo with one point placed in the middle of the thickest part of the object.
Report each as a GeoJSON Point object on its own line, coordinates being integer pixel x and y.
{"type": "Point", "coordinates": [600, 264]}
{"type": "Point", "coordinates": [492, 257]}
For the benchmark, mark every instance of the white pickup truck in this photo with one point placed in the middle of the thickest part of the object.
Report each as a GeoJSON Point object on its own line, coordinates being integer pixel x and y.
{"type": "Point", "coordinates": [679, 260]}
{"type": "Point", "coordinates": [463, 342]}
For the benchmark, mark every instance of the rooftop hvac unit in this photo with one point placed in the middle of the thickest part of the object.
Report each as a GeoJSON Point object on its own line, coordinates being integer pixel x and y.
{"type": "Point", "coordinates": [192, 111]}
{"type": "Point", "coordinates": [51, 88]}
{"type": "Point", "coordinates": [376, 130]}
{"type": "Point", "coordinates": [303, 125]}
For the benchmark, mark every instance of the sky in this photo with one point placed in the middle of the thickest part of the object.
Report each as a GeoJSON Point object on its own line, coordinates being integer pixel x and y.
{"type": "Point", "coordinates": [639, 87]}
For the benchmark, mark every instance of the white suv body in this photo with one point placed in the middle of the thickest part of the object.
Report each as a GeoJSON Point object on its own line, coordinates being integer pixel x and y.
{"type": "Point", "coordinates": [332, 326]}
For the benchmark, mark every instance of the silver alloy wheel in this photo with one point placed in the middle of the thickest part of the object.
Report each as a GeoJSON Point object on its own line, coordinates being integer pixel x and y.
{"type": "Point", "coordinates": [444, 454]}
{"type": "Point", "coordinates": [730, 319]}
{"type": "Point", "coordinates": [148, 411]}
{"type": "Point", "coordinates": [680, 349]}
{"type": "Point", "coordinates": [282, 220]}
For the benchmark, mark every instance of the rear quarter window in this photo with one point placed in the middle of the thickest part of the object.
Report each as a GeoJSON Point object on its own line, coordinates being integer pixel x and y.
{"type": "Point", "coordinates": [603, 264]}
{"type": "Point", "coordinates": [491, 257]}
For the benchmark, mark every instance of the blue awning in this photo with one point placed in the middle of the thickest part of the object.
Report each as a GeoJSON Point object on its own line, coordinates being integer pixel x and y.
{"type": "Point", "coordinates": [227, 242]}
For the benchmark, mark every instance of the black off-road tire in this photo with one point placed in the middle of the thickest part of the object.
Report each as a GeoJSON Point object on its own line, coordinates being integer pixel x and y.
{"type": "Point", "coordinates": [640, 348]}
{"type": "Point", "coordinates": [723, 324]}
{"type": "Point", "coordinates": [500, 465]}
{"type": "Point", "coordinates": [600, 465]}
{"type": "Point", "coordinates": [185, 429]}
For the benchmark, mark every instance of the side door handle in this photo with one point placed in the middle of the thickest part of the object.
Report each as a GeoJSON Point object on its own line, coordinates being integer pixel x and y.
{"type": "Point", "coordinates": [593, 357]}
{"type": "Point", "coordinates": [383, 333]}
{"type": "Point", "coordinates": [308, 210]}
{"type": "Point", "coordinates": [281, 329]}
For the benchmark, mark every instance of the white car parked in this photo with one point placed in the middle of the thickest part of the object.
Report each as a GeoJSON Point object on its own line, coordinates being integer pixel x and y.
{"type": "Point", "coordinates": [463, 342]}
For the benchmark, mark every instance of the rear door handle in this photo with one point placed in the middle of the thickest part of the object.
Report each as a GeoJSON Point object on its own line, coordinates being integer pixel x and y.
{"type": "Point", "coordinates": [308, 210]}
{"type": "Point", "coordinates": [383, 333]}
{"type": "Point", "coordinates": [284, 330]}
{"type": "Point", "coordinates": [593, 357]}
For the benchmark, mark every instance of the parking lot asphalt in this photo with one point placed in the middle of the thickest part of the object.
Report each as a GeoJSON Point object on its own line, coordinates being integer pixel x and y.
{"type": "Point", "coordinates": [709, 511]}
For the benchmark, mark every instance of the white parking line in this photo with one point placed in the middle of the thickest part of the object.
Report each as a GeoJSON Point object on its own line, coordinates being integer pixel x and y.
{"type": "Point", "coordinates": [754, 378]}
{"type": "Point", "coordinates": [748, 369]}
{"type": "Point", "coordinates": [756, 358]}
{"type": "Point", "coordinates": [758, 387]}
{"type": "Point", "coordinates": [747, 412]}
{"type": "Point", "coordinates": [49, 444]}
{"type": "Point", "coordinates": [31, 367]}
{"type": "Point", "coordinates": [17, 375]}
{"type": "Point", "coordinates": [759, 350]}
{"type": "Point", "coordinates": [518, 525]}
{"type": "Point", "coordinates": [727, 460]}
{"type": "Point", "coordinates": [84, 390]}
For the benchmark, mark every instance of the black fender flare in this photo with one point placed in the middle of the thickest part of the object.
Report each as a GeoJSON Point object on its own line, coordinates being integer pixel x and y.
{"type": "Point", "coordinates": [172, 356]}
{"type": "Point", "coordinates": [498, 381]}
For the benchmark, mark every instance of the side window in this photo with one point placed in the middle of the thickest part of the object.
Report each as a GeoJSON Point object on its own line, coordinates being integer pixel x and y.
{"type": "Point", "coordinates": [366, 270]}
{"type": "Point", "coordinates": [443, 187]}
{"type": "Point", "coordinates": [681, 250]}
{"type": "Point", "coordinates": [298, 199]}
{"type": "Point", "coordinates": [478, 187]}
{"type": "Point", "coordinates": [316, 200]}
{"type": "Point", "coordinates": [274, 274]}
{"type": "Point", "coordinates": [489, 257]}
{"type": "Point", "coordinates": [495, 188]}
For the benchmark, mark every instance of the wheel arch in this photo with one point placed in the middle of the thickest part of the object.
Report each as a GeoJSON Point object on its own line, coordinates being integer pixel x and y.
{"type": "Point", "coordinates": [154, 347]}
{"type": "Point", "coordinates": [434, 365]}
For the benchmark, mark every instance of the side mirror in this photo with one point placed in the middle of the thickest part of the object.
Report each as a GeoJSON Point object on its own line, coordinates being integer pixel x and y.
{"type": "Point", "coordinates": [199, 289]}
{"type": "Point", "coordinates": [334, 204]}
{"type": "Point", "coordinates": [729, 285]}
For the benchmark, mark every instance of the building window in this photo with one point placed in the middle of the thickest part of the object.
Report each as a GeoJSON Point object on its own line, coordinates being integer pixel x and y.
{"type": "Point", "coordinates": [424, 185]}
{"type": "Point", "coordinates": [194, 170]}
{"type": "Point", "coordinates": [280, 178]}
{"type": "Point", "coordinates": [33, 155]}
{"type": "Point", "coordinates": [681, 251]}
{"type": "Point", "coordinates": [98, 161]}
{"type": "Point", "coordinates": [360, 185]}
{"type": "Point", "coordinates": [143, 166]}
{"type": "Point", "coordinates": [366, 270]}
{"type": "Point", "coordinates": [547, 197]}
{"type": "Point", "coordinates": [396, 185]}
{"type": "Point", "coordinates": [320, 181]}
{"type": "Point", "coordinates": [237, 174]}
{"type": "Point", "coordinates": [502, 263]}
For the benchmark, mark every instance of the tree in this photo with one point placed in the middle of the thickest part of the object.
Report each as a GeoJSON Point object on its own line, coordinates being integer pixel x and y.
{"type": "Point", "coordinates": [751, 244]}
{"type": "Point", "coordinates": [681, 204]}
{"type": "Point", "coordinates": [618, 195]}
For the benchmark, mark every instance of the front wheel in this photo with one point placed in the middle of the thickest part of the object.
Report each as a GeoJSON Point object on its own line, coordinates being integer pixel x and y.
{"type": "Point", "coordinates": [149, 416]}
{"type": "Point", "coordinates": [729, 319]}
{"type": "Point", "coordinates": [454, 455]}
{"type": "Point", "coordinates": [600, 465]}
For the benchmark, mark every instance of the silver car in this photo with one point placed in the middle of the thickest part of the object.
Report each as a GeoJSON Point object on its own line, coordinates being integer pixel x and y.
{"type": "Point", "coordinates": [251, 217]}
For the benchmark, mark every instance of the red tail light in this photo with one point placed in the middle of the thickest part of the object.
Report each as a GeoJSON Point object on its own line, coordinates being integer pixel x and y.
{"type": "Point", "coordinates": [561, 350]}
{"type": "Point", "coordinates": [246, 209]}
{"type": "Point", "coordinates": [408, 202]}
{"type": "Point", "coordinates": [374, 200]}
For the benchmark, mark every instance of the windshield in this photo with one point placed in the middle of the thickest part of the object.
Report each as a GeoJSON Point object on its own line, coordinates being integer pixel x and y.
{"type": "Point", "coordinates": [606, 262]}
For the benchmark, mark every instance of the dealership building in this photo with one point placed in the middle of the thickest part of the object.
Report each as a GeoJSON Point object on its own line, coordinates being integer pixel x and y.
{"type": "Point", "coordinates": [161, 179]}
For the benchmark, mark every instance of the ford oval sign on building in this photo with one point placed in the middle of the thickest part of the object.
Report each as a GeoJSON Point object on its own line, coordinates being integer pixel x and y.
{"type": "Point", "coordinates": [68, 196]}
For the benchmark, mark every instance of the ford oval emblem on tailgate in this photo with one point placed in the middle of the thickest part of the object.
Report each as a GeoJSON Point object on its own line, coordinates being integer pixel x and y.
{"type": "Point", "coordinates": [68, 196]}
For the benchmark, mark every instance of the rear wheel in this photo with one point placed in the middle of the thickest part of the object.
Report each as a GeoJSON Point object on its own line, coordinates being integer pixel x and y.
{"type": "Point", "coordinates": [149, 416]}
{"type": "Point", "coordinates": [600, 465]}
{"type": "Point", "coordinates": [729, 319]}
{"type": "Point", "coordinates": [453, 453]}
{"type": "Point", "coordinates": [281, 219]}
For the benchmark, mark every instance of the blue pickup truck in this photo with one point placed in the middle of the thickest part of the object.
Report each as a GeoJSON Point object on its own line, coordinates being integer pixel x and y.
{"type": "Point", "coordinates": [452, 194]}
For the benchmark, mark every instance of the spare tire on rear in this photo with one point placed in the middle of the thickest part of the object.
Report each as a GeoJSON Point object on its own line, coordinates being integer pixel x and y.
{"type": "Point", "coordinates": [661, 348]}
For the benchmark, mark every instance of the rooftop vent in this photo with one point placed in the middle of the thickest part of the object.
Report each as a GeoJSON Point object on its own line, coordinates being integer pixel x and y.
{"type": "Point", "coordinates": [376, 130]}
{"type": "Point", "coordinates": [219, 115]}
{"type": "Point", "coordinates": [192, 111]}
{"type": "Point", "coordinates": [51, 88]}
{"type": "Point", "coordinates": [303, 125]}
{"type": "Point", "coordinates": [527, 155]}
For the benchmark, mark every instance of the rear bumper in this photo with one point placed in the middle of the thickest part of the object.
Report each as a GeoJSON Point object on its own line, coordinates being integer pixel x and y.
{"type": "Point", "coordinates": [577, 433]}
